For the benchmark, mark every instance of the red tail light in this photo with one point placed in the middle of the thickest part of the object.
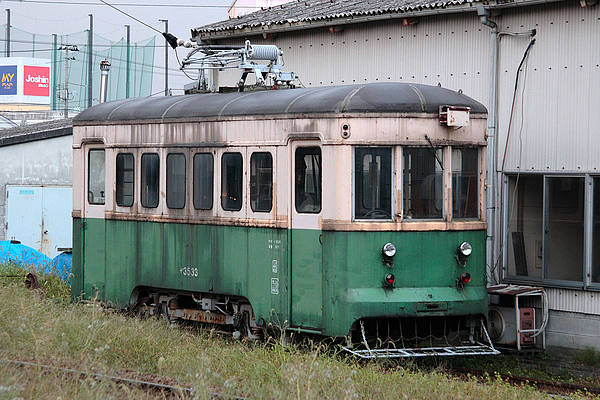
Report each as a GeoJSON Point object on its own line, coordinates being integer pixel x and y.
{"type": "Point", "coordinates": [465, 277]}
{"type": "Point", "coordinates": [389, 280]}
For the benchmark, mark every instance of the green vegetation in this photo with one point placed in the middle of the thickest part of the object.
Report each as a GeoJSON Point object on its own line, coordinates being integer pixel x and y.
{"type": "Point", "coordinates": [588, 356]}
{"type": "Point", "coordinates": [42, 326]}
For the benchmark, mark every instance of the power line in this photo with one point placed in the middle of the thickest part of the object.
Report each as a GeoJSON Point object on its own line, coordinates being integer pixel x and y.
{"type": "Point", "coordinates": [100, 3]}
{"type": "Point", "coordinates": [132, 17]}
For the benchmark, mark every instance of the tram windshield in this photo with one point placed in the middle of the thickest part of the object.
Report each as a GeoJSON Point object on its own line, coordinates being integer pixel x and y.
{"type": "Point", "coordinates": [373, 183]}
{"type": "Point", "coordinates": [423, 183]}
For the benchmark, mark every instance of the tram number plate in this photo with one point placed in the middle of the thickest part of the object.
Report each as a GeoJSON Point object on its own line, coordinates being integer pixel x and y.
{"type": "Point", "coordinates": [190, 272]}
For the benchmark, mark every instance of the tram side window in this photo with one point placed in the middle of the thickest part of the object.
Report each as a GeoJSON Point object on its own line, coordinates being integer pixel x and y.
{"type": "Point", "coordinates": [231, 181]}
{"type": "Point", "coordinates": [150, 179]}
{"type": "Point", "coordinates": [423, 183]}
{"type": "Point", "coordinates": [125, 179]}
{"type": "Point", "coordinates": [96, 177]}
{"type": "Point", "coordinates": [176, 180]}
{"type": "Point", "coordinates": [261, 182]}
{"type": "Point", "coordinates": [308, 180]}
{"type": "Point", "coordinates": [203, 181]}
{"type": "Point", "coordinates": [465, 183]}
{"type": "Point", "coordinates": [373, 183]}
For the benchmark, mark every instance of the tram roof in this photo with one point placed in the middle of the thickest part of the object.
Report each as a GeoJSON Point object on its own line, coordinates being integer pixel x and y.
{"type": "Point", "coordinates": [388, 97]}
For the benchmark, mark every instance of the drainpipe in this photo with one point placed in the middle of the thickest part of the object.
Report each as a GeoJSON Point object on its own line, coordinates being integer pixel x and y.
{"type": "Point", "coordinates": [104, 67]}
{"type": "Point", "coordinates": [484, 14]}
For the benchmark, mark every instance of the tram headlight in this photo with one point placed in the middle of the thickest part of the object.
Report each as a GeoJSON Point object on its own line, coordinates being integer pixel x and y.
{"type": "Point", "coordinates": [388, 251]}
{"type": "Point", "coordinates": [463, 252]}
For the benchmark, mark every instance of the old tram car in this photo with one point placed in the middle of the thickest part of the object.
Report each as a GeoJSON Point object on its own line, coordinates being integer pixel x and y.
{"type": "Point", "coordinates": [350, 211]}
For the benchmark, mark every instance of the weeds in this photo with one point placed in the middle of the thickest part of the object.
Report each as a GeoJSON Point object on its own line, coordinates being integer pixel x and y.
{"type": "Point", "coordinates": [43, 326]}
{"type": "Point", "coordinates": [588, 356]}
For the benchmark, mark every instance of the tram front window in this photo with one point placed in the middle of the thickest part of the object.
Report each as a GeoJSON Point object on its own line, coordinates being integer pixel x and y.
{"type": "Point", "coordinates": [373, 183]}
{"type": "Point", "coordinates": [423, 183]}
{"type": "Point", "coordinates": [465, 183]}
{"type": "Point", "coordinates": [308, 180]}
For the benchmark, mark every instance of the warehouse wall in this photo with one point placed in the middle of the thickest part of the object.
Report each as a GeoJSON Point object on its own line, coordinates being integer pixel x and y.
{"type": "Point", "coordinates": [43, 162]}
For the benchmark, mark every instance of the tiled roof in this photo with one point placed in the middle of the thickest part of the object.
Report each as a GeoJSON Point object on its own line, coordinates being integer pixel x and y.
{"type": "Point", "coordinates": [307, 11]}
{"type": "Point", "coordinates": [34, 132]}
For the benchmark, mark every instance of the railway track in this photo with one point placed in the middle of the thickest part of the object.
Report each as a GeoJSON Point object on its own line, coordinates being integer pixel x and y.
{"type": "Point", "coordinates": [168, 390]}
{"type": "Point", "coordinates": [553, 388]}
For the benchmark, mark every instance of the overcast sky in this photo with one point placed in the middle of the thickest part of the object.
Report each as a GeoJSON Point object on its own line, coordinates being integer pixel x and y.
{"type": "Point", "coordinates": [109, 23]}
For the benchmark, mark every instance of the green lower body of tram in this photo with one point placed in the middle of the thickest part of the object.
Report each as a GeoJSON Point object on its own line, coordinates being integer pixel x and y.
{"type": "Point", "coordinates": [309, 280]}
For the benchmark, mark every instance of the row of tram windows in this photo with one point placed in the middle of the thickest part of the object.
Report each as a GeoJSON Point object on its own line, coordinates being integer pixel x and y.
{"type": "Point", "coordinates": [422, 181]}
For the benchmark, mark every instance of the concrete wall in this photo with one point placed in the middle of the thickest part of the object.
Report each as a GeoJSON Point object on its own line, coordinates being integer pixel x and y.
{"type": "Point", "coordinates": [44, 162]}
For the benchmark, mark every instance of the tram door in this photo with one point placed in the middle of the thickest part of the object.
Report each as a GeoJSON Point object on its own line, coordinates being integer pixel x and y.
{"type": "Point", "coordinates": [306, 205]}
{"type": "Point", "coordinates": [93, 227]}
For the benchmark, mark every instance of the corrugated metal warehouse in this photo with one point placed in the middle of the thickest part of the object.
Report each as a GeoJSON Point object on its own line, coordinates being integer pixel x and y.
{"type": "Point", "coordinates": [545, 210]}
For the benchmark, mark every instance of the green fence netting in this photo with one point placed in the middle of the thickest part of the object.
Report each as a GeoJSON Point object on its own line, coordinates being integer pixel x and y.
{"type": "Point", "coordinates": [141, 65]}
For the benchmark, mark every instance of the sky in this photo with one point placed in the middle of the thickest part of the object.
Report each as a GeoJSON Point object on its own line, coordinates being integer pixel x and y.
{"type": "Point", "coordinates": [56, 16]}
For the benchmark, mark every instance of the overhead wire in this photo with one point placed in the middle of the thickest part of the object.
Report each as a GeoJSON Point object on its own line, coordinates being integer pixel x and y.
{"type": "Point", "coordinates": [100, 3]}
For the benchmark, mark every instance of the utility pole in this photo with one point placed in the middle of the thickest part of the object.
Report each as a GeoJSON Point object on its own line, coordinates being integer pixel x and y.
{"type": "Point", "coordinates": [7, 51]}
{"type": "Point", "coordinates": [166, 21]}
{"type": "Point", "coordinates": [67, 48]}
{"type": "Point", "coordinates": [54, 68]}
{"type": "Point", "coordinates": [128, 61]}
{"type": "Point", "coordinates": [90, 59]}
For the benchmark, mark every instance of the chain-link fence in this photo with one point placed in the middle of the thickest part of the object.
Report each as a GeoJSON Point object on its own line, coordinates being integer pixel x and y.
{"type": "Point", "coordinates": [140, 65]}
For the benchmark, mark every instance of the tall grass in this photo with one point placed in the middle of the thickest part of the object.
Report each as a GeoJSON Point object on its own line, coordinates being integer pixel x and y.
{"type": "Point", "coordinates": [43, 326]}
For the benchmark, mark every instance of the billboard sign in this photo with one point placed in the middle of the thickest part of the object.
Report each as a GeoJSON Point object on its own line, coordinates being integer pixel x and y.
{"type": "Point", "coordinates": [36, 81]}
{"type": "Point", "coordinates": [8, 80]}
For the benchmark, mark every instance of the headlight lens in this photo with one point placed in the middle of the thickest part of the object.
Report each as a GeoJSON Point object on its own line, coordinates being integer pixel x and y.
{"type": "Point", "coordinates": [465, 249]}
{"type": "Point", "coordinates": [389, 250]}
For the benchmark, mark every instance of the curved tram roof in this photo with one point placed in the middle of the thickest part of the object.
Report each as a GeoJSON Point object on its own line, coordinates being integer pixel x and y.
{"type": "Point", "coordinates": [369, 98]}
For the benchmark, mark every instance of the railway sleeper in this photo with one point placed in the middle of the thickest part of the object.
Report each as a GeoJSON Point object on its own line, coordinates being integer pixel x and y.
{"type": "Point", "coordinates": [232, 312]}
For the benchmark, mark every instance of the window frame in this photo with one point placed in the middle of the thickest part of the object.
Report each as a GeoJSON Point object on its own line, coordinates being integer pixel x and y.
{"type": "Point", "coordinates": [213, 186]}
{"type": "Point", "coordinates": [586, 283]}
{"type": "Point", "coordinates": [393, 155]}
{"type": "Point", "coordinates": [254, 152]}
{"type": "Point", "coordinates": [445, 161]}
{"type": "Point", "coordinates": [295, 202]}
{"type": "Point", "coordinates": [142, 175]}
{"type": "Point", "coordinates": [87, 186]}
{"type": "Point", "coordinates": [185, 180]}
{"type": "Point", "coordinates": [241, 153]}
{"type": "Point", "coordinates": [477, 179]}
{"type": "Point", "coordinates": [133, 182]}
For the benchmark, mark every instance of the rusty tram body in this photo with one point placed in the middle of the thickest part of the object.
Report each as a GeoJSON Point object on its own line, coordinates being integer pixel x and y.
{"type": "Point", "coordinates": [355, 212]}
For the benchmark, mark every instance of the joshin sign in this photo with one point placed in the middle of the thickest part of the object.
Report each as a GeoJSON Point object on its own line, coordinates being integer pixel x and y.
{"type": "Point", "coordinates": [8, 79]}
{"type": "Point", "coordinates": [36, 81]}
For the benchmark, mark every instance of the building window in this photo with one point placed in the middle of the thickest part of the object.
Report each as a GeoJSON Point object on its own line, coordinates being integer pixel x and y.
{"type": "Point", "coordinates": [125, 179]}
{"type": "Point", "coordinates": [203, 181]}
{"type": "Point", "coordinates": [423, 183]}
{"type": "Point", "coordinates": [231, 181]}
{"type": "Point", "coordinates": [465, 183]}
{"type": "Point", "coordinates": [373, 183]}
{"type": "Point", "coordinates": [96, 177]}
{"type": "Point", "coordinates": [150, 179]}
{"type": "Point", "coordinates": [525, 225]}
{"type": "Point", "coordinates": [564, 229]}
{"type": "Point", "coordinates": [176, 180]}
{"type": "Point", "coordinates": [308, 180]}
{"type": "Point", "coordinates": [545, 237]}
{"type": "Point", "coordinates": [261, 182]}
